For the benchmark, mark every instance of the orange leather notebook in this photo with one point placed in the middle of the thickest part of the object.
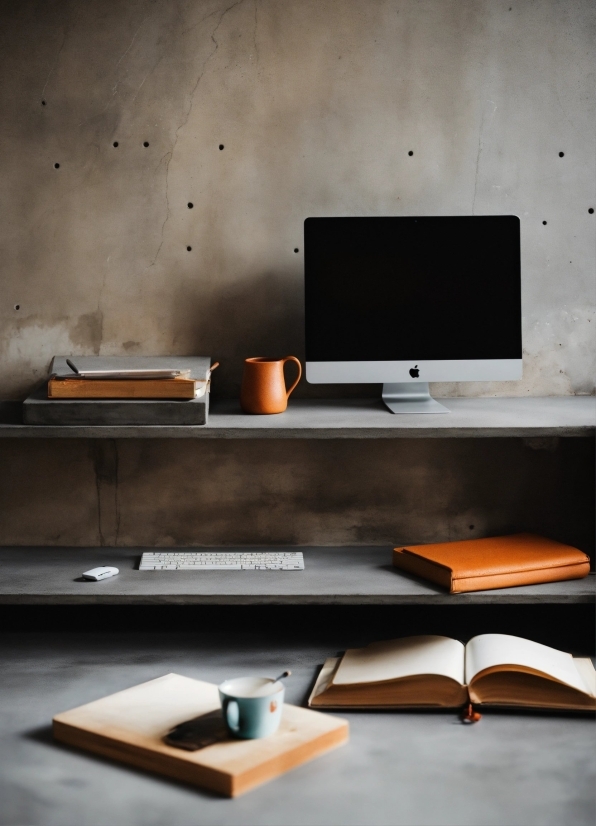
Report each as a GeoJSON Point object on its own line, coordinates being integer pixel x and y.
{"type": "Point", "coordinates": [497, 562]}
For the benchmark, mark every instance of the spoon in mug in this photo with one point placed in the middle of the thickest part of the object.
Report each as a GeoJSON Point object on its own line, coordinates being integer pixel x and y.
{"type": "Point", "coordinates": [281, 676]}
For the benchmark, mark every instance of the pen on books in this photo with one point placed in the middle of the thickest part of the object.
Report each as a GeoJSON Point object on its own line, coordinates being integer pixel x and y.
{"type": "Point", "coordinates": [72, 366]}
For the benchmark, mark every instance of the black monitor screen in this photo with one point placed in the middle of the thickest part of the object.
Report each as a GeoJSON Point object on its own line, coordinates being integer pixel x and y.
{"type": "Point", "coordinates": [412, 289]}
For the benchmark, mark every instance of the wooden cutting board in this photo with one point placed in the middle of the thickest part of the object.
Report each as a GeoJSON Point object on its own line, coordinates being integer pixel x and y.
{"type": "Point", "coordinates": [129, 726]}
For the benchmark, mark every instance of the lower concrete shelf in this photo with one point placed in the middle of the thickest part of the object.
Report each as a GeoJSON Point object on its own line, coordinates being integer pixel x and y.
{"type": "Point", "coordinates": [332, 576]}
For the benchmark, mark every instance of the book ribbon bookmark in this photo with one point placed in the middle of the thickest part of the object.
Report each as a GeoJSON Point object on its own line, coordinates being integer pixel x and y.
{"type": "Point", "coordinates": [468, 715]}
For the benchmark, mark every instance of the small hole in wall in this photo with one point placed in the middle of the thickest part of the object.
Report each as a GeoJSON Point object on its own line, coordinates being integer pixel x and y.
{"type": "Point", "coordinates": [591, 210]}
{"type": "Point", "coordinates": [471, 527]}
{"type": "Point", "coordinates": [561, 154]}
{"type": "Point", "coordinates": [190, 205]}
{"type": "Point", "coordinates": [410, 153]}
{"type": "Point", "coordinates": [145, 144]}
{"type": "Point", "coordinates": [17, 306]}
{"type": "Point", "coordinates": [189, 249]}
{"type": "Point", "coordinates": [221, 146]}
{"type": "Point", "coordinates": [296, 249]}
{"type": "Point", "coordinates": [115, 144]}
{"type": "Point", "coordinates": [56, 166]}
{"type": "Point", "coordinates": [544, 222]}
{"type": "Point", "coordinates": [43, 103]}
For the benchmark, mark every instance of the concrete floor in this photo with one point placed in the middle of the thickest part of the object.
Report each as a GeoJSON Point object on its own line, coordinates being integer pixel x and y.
{"type": "Point", "coordinates": [397, 769]}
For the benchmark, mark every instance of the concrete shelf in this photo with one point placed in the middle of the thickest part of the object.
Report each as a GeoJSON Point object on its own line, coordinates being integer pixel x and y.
{"type": "Point", "coordinates": [356, 419]}
{"type": "Point", "coordinates": [332, 576]}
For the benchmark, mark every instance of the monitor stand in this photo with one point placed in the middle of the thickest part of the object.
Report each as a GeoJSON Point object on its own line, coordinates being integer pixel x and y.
{"type": "Point", "coordinates": [411, 397]}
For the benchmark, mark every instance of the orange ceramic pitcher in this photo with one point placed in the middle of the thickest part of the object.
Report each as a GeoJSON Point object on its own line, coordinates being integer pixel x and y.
{"type": "Point", "coordinates": [263, 385]}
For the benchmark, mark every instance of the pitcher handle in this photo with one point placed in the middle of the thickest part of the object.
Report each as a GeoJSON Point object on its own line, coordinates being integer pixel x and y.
{"type": "Point", "coordinates": [293, 387]}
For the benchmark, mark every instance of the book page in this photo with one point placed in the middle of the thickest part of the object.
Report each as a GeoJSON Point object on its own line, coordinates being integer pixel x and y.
{"type": "Point", "coordinates": [406, 657]}
{"type": "Point", "coordinates": [489, 650]}
{"type": "Point", "coordinates": [585, 667]}
{"type": "Point", "coordinates": [324, 679]}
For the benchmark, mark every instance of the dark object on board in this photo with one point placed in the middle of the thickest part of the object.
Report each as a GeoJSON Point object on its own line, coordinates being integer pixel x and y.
{"type": "Point", "coordinates": [198, 733]}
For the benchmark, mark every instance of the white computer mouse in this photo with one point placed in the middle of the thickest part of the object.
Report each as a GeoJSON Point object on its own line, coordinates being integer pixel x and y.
{"type": "Point", "coordinates": [95, 574]}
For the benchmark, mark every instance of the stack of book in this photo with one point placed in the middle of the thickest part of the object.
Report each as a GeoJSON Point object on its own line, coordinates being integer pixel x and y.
{"type": "Point", "coordinates": [120, 390]}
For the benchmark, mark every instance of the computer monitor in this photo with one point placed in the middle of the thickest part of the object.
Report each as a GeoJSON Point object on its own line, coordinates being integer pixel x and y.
{"type": "Point", "coordinates": [402, 301]}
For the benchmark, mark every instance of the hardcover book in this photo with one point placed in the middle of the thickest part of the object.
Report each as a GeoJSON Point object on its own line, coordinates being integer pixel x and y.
{"type": "Point", "coordinates": [73, 387]}
{"type": "Point", "coordinates": [496, 562]}
{"type": "Point", "coordinates": [439, 672]}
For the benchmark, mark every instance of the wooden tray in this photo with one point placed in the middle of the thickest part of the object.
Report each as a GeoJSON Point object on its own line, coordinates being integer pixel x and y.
{"type": "Point", "coordinates": [129, 727]}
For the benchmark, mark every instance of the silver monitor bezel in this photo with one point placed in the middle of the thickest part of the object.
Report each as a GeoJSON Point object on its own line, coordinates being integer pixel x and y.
{"type": "Point", "coordinates": [381, 372]}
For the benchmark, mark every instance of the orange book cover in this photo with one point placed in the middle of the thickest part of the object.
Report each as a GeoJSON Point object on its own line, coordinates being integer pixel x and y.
{"type": "Point", "coordinates": [495, 562]}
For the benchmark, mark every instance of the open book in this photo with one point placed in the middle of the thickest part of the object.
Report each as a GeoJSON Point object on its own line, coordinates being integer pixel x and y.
{"type": "Point", "coordinates": [438, 672]}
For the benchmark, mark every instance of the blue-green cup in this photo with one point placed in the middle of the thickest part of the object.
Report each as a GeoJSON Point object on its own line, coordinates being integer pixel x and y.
{"type": "Point", "coordinates": [251, 706]}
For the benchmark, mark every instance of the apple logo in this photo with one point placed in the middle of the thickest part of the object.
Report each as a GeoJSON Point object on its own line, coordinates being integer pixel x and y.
{"type": "Point", "coordinates": [415, 372]}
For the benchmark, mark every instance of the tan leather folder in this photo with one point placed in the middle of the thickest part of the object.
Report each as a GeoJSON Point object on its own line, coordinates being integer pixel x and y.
{"type": "Point", "coordinates": [497, 562]}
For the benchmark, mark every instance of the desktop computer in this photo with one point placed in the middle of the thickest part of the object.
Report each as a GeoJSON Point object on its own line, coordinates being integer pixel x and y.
{"type": "Point", "coordinates": [402, 301]}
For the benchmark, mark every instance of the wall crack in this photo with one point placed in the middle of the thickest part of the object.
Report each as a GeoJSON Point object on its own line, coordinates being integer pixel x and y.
{"type": "Point", "coordinates": [479, 151]}
{"type": "Point", "coordinates": [187, 116]}
{"type": "Point", "coordinates": [104, 455]}
{"type": "Point", "coordinates": [254, 36]}
{"type": "Point", "coordinates": [56, 59]}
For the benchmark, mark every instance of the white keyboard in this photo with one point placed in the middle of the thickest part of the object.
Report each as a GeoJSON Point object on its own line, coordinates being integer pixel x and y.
{"type": "Point", "coordinates": [222, 561]}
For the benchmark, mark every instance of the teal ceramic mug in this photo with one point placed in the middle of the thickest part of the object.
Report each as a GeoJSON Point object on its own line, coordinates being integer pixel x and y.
{"type": "Point", "coordinates": [251, 706]}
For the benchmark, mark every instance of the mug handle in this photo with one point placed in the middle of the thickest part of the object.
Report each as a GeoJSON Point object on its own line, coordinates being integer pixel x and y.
{"type": "Point", "coordinates": [232, 714]}
{"type": "Point", "coordinates": [293, 387]}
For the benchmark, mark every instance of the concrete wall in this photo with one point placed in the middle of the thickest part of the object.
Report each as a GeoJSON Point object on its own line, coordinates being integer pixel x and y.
{"type": "Point", "coordinates": [294, 492]}
{"type": "Point", "coordinates": [260, 113]}
{"type": "Point", "coordinates": [317, 104]}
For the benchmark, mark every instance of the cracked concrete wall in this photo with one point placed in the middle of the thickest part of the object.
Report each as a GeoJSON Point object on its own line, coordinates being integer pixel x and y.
{"type": "Point", "coordinates": [114, 114]}
{"type": "Point", "coordinates": [158, 159]}
{"type": "Point", "coordinates": [294, 492]}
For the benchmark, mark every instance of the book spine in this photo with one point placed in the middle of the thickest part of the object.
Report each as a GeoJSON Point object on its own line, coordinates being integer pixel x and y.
{"type": "Point", "coordinates": [407, 561]}
{"type": "Point", "coordinates": [123, 389]}
{"type": "Point", "coordinates": [510, 580]}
